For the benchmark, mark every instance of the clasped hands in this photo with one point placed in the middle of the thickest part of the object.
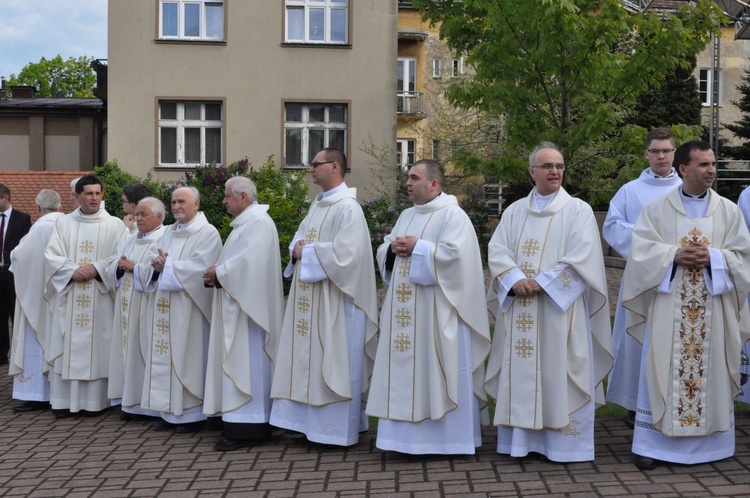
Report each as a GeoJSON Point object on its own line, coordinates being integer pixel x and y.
{"type": "Point", "coordinates": [85, 273]}
{"type": "Point", "coordinates": [694, 256]}
{"type": "Point", "coordinates": [404, 246]}
{"type": "Point", "coordinates": [526, 287]}
{"type": "Point", "coordinates": [125, 264]}
{"type": "Point", "coordinates": [209, 276]}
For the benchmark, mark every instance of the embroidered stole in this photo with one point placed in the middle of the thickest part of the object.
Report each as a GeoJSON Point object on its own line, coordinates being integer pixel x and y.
{"type": "Point", "coordinates": [82, 306]}
{"type": "Point", "coordinates": [691, 345]}
{"type": "Point", "coordinates": [522, 358]}
{"type": "Point", "coordinates": [404, 339]}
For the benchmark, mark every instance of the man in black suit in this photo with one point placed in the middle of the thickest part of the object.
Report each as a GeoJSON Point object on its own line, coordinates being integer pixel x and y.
{"type": "Point", "coordinates": [14, 225]}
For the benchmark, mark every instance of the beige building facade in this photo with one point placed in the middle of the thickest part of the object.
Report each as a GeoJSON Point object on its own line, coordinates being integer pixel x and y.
{"type": "Point", "coordinates": [195, 82]}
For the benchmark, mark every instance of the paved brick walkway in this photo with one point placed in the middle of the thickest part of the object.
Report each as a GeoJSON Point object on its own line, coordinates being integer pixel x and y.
{"type": "Point", "coordinates": [104, 457]}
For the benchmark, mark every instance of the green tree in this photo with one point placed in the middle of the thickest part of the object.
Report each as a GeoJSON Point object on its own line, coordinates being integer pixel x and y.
{"type": "Point", "coordinates": [58, 78]}
{"type": "Point", "coordinates": [562, 70]}
{"type": "Point", "coordinates": [675, 101]}
{"type": "Point", "coordinates": [741, 129]}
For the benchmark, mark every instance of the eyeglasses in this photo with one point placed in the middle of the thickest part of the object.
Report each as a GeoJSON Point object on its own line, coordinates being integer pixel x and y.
{"type": "Point", "coordinates": [549, 166]}
{"type": "Point", "coordinates": [315, 165]}
{"type": "Point", "coordinates": [659, 152]}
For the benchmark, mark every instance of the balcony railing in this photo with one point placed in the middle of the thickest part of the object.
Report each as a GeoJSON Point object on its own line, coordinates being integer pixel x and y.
{"type": "Point", "coordinates": [411, 103]}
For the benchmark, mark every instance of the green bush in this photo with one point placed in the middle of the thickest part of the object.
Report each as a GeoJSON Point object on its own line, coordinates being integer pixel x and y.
{"type": "Point", "coordinates": [114, 179]}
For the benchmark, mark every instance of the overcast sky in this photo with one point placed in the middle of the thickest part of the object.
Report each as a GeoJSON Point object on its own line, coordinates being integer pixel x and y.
{"type": "Point", "coordinates": [32, 29]}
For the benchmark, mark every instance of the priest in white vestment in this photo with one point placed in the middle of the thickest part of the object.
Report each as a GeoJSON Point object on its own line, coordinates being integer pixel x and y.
{"type": "Point", "coordinates": [654, 182]}
{"type": "Point", "coordinates": [551, 349]}
{"type": "Point", "coordinates": [177, 317]}
{"type": "Point", "coordinates": [81, 247]}
{"type": "Point", "coordinates": [744, 204]}
{"type": "Point", "coordinates": [248, 310]}
{"type": "Point", "coordinates": [327, 343]}
{"type": "Point", "coordinates": [33, 313]}
{"type": "Point", "coordinates": [687, 294]}
{"type": "Point", "coordinates": [428, 382]}
{"type": "Point", "coordinates": [127, 363]}
{"type": "Point", "coordinates": [132, 194]}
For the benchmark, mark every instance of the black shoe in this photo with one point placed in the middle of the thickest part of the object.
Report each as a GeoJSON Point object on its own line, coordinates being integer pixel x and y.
{"type": "Point", "coordinates": [61, 414]}
{"type": "Point", "coordinates": [226, 444]}
{"type": "Point", "coordinates": [631, 419]}
{"type": "Point", "coordinates": [645, 463]}
{"type": "Point", "coordinates": [129, 417]}
{"type": "Point", "coordinates": [3, 359]}
{"type": "Point", "coordinates": [189, 428]}
{"type": "Point", "coordinates": [31, 406]}
{"type": "Point", "coordinates": [163, 426]}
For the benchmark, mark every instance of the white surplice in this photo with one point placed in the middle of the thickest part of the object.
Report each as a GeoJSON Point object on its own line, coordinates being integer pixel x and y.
{"type": "Point", "coordinates": [327, 342]}
{"type": "Point", "coordinates": [81, 328]}
{"type": "Point", "coordinates": [550, 351]}
{"type": "Point", "coordinates": [744, 204]}
{"type": "Point", "coordinates": [246, 320]}
{"type": "Point", "coordinates": [33, 313]}
{"type": "Point", "coordinates": [177, 327]}
{"type": "Point", "coordinates": [127, 355]}
{"type": "Point", "coordinates": [427, 385]}
{"type": "Point", "coordinates": [623, 212]}
{"type": "Point", "coordinates": [690, 367]}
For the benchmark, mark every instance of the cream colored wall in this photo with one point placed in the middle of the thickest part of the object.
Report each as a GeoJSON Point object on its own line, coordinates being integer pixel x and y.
{"type": "Point", "coordinates": [253, 73]}
{"type": "Point", "coordinates": [734, 60]}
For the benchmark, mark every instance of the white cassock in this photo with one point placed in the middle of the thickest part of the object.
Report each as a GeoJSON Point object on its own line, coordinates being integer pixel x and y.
{"type": "Point", "coordinates": [177, 328]}
{"type": "Point", "coordinates": [692, 325]}
{"type": "Point", "coordinates": [33, 313]}
{"type": "Point", "coordinates": [623, 212]}
{"type": "Point", "coordinates": [427, 384]}
{"type": "Point", "coordinates": [80, 335]}
{"type": "Point", "coordinates": [246, 320]}
{"type": "Point", "coordinates": [127, 355]}
{"type": "Point", "coordinates": [744, 204]}
{"type": "Point", "coordinates": [550, 351]}
{"type": "Point", "coordinates": [327, 342]}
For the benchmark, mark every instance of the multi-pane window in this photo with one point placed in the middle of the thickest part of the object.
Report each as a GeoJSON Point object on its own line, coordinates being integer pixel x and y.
{"type": "Point", "coordinates": [405, 153]}
{"type": "Point", "coordinates": [311, 127]}
{"type": "Point", "coordinates": [705, 86]}
{"type": "Point", "coordinates": [458, 67]}
{"type": "Point", "coordinates": [190, 133]}
{"type": "Point", "coordinates": [191, 19]}
{"type": "Point", "coordinates": [493, 196]}
{"type": "Point", "coordinates": [436, 149]}
{"type": "Point", "coordinates": [437, 71]}
{"type": "Point", "coordinates": [317, 21]}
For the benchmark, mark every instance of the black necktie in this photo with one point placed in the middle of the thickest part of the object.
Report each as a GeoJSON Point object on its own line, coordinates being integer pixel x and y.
{"type": "Point", "coordinates": [2, 233]}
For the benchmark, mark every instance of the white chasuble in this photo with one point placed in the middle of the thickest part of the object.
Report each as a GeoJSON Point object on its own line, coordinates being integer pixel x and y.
{"type": "Point", "coordinates": [550, 351]}
{"type": "Point", "coordinates": [127, 355]}
{"type": "Point", "coordinates": [248, 303]}
{"type": "Point", "coordinates": [312, 364]}
{"type": "Point", "coordinates": [179, 307]}
{"type": "Point", "coordinates": [33, 313]}
{"type": "Point", "coordinates": [431, 294]}
{"type": "Point", "coordinates": [698, 322]}
{"type": "Point", "coordinates": [82, 325]}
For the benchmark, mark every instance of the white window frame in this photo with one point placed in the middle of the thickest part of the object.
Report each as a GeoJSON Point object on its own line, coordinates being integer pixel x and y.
{"type": "Point", "coordinates": [457, 67]}
{"type": "Point", "coordinates": [406, 153]}
{"type": "Point", "coordinates": [492, 191]}
{"type": "Point", "coordinates": [328, 6]}
{"type": "Point", "coordinates": [436, 149]}
{"type": "Point", "coordinates": [705, 78]}
{"type": "Point", "coordinates": [306, 125]}
{"type": "Point", "coordinates": [180, 123]}
{"type": "Point", "coordinates": [202, 36]}
{"type": "Point", "coordinates": [437, 70]}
